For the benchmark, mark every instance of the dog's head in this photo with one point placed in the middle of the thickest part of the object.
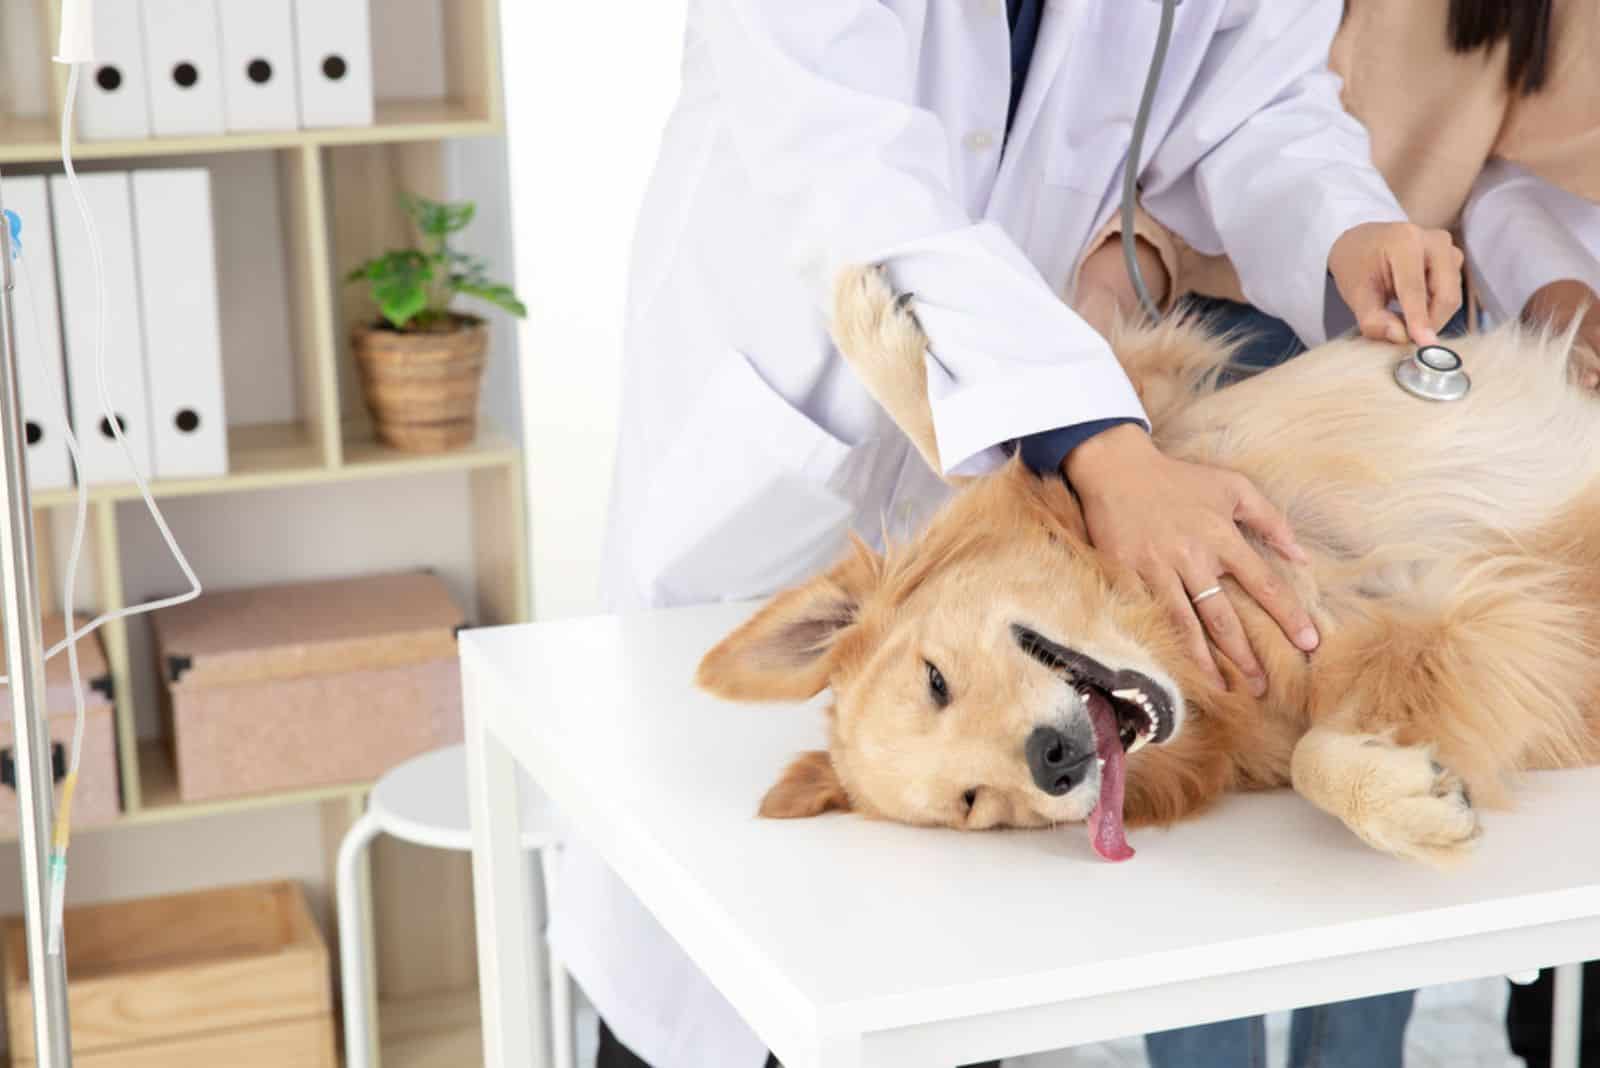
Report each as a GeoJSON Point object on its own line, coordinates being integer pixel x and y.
{"type": "Point", "coordinates": [990, 674]}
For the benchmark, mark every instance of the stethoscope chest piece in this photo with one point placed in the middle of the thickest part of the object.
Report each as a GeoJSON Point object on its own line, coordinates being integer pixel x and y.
{"type": "Point", "coordinates": [1433, 373]}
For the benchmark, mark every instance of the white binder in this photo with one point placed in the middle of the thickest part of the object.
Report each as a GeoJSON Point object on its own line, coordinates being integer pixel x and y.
{"type": "Point", "coordinates": [111, 205]}
{"type": "Point", "coordinates": [113, 104]}
{"type": "Point", "coordinates": [38, 331]}
{"type": "Point", "coordinates": [333, 41]}
{"type": "Point", "coordinates": [184, 60]}
{"type": "Point", "coordinates": [182, 330]}
{"type": "Point", "coordinates": [258, 84]}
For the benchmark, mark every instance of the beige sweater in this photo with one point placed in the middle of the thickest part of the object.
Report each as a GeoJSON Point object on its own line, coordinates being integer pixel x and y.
{"type": "Point", "coordinates": [1437, 117]}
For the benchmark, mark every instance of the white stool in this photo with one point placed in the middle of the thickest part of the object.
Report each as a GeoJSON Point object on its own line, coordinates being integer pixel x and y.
{"type": "Point", "coordinates": [424, 801]}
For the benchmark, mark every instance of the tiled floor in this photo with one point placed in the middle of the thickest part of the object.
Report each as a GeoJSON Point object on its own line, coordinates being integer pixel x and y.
{"type": "Point", "coordinates": [1456, 1026]}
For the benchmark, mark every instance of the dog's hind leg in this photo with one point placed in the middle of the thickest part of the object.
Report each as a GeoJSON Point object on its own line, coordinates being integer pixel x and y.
{"type": "Point", "coordinates": [1438, 695]}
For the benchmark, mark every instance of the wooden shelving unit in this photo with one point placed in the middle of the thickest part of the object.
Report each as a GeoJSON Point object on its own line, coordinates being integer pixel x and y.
{"type": "Point", "coordinates": [339, 192]}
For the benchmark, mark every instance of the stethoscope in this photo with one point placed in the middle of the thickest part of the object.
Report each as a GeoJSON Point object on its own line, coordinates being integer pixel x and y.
{"type": "Point", "coordinates": [1432, 373]}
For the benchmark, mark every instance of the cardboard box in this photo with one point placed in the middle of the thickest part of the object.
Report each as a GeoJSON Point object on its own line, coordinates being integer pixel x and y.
{"type": "Point", "coordinates": [313, 684]}
{"type": "Point", "coordinates": [235, 977]}
{"type": "Point", "coordinates": [98, 799]}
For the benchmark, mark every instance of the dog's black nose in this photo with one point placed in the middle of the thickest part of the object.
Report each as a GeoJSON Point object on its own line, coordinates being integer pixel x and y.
{"type": "Point", "coordinates": [1058, 760]}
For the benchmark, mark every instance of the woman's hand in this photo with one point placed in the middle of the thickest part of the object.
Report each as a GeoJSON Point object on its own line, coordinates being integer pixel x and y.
{"type": "Point", "coordinates": [1559, 304]}
{"type": "Point", "coordinates": [1376, 263]}
{"type": "Point", "coordinates": [1177, 525]}
{"type": "Point", "coordinates": [1105, 292]}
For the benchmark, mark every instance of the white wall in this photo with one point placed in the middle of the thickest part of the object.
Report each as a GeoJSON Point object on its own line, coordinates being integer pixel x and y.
{"type": "Point", "coordinates": [584, 121]}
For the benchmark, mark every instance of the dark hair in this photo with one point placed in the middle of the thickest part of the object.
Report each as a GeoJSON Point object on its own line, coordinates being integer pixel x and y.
{"type": "Point", "coordinates": [1525, 24]}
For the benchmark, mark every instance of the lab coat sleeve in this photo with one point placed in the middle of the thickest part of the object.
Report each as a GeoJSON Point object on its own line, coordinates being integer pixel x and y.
{"type": "Point", "coordinates": [1522, 233]}
{"type": "Point", "coordinates": [822, 113]}
{"type": "Point", "coordinates": [1265, 165]}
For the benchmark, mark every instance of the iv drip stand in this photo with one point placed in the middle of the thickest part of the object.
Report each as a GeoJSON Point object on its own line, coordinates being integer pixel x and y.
{"type": "Point", "coordinates": [25, 658]}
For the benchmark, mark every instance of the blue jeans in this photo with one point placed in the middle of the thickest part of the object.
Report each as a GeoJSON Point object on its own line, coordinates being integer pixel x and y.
{"type": "Point", "coordinates": [1369, 1033]}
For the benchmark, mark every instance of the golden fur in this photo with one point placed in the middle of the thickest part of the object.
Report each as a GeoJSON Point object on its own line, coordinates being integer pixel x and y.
{"type": "Point", "coordinates": [1454, 576]}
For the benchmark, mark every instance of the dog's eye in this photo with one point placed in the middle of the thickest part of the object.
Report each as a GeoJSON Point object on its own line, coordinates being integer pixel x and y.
{"type": "Point", "coordinates": [937, 686]}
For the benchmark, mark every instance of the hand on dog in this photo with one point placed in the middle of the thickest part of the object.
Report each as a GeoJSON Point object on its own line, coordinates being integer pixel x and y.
{"type": "Point", "coordinates": [1560, 304]}
{"type": "Point", "coordinates": [1178, 526]}
{"type": "Point", "coordinates": [1376, 263]}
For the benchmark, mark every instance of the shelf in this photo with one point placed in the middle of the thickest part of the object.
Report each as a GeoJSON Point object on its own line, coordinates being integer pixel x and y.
{"type": "Point", "coordinates": [37, 140]}
{"type": "Point", "coordinates": [281, 455]}
{"type": "Point", "coordinates": [158, 780]}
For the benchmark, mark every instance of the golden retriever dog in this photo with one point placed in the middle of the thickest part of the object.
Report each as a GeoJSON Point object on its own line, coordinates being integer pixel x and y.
{"type": "Point", "coordinates": [997, 672]}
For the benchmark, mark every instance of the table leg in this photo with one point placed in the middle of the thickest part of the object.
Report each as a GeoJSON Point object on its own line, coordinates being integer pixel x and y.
{"type": "Point", "coordinates": [1566, 1028]}
{"type": "Point", "coordinates": [506, 987]}
{"type": "Point", "coordinates": [563, 1041]}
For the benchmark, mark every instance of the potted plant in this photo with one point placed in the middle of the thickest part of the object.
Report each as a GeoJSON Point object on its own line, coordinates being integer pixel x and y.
{"type": "Point", "coordinates": [422, 364]}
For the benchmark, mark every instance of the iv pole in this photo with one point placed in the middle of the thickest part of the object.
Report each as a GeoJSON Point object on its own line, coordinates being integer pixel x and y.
{"type": "Point", "coordinates": [25, 658]}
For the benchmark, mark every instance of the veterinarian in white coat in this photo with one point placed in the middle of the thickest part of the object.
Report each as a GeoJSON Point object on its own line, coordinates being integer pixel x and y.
{"type": "Point", "coordinates": [819, 134]}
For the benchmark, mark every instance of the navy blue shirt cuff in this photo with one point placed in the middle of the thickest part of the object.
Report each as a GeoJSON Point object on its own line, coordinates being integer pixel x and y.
{"type": "Point", "coordinates": [1044, 452]}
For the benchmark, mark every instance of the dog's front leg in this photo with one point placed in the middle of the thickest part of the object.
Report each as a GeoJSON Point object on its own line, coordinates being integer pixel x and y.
{"type": "Point", "coordinates": [1397, 798]}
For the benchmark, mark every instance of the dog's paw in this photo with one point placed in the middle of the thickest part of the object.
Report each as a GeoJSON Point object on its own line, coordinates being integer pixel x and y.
{"type": "Point", "coordinates": [870, 317]}
{"type": "Point", "coordinates": [1403, 802]}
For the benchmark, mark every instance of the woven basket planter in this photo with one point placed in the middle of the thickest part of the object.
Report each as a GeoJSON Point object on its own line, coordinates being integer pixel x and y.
{"type": "Point", "coordinates": [422, 388]}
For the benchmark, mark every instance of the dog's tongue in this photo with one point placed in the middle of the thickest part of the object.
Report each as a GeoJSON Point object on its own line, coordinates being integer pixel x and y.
{"type": "Point", "coordinates": [1105, 822]}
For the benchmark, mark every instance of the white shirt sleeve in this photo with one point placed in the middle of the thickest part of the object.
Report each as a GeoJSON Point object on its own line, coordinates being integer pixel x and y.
{"type": "Point", "coordinates": [821, 105]}
{"type": "Point", "coordinates": [1265, 165]}
{"type": "Point", "coordinates": [1522, 233]}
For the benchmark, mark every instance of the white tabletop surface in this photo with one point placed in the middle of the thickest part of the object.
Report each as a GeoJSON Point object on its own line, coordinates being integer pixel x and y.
{"type": "Point", "coordinates": [846, 924]}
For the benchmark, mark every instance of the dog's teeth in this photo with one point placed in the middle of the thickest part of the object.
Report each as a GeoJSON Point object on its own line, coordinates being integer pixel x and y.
{"type": "Point", "coordinates": [1138, 744]}
{"type": "Point", "coordinates": [1127, 695]}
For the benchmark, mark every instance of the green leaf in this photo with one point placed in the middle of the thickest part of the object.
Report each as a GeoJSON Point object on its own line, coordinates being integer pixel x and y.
{"type": "Point", "coordinates": [401, 289]}
{"type": "Point", "coordinates": [435, 219]}
{"type": "Point", "coordinates": [499, 295]}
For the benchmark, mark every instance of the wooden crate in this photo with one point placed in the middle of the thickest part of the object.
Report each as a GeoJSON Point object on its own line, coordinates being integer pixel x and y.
{"type": "Point", "coordinates": [235, 977]}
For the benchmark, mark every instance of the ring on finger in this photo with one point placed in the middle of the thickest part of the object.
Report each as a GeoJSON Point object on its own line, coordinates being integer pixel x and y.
{"type": "Point", "coordinates": [1206, 594]}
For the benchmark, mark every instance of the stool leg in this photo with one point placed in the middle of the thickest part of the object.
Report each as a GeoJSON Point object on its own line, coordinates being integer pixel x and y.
{"type": "Point", "coordinates": [1566, 1027]}
{"type": "Point", "coordinates": [562, 1041]}
{"type": "Point", "coordinates": [359, 1031]}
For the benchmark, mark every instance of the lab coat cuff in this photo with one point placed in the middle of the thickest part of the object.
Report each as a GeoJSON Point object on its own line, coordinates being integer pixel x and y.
{"type": "Point", "coordinates": [972, 420]}
{"type": "Point", "coordinates": [1523, 235]}
{"type": "Point", "coordinates": [1307, 308]}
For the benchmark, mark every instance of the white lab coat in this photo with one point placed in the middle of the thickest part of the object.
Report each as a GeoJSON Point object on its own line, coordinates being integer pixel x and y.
{"type": "Point", "coordinates": [812, 135]}
{"type": "Point", "coordinates": [1513, 212]}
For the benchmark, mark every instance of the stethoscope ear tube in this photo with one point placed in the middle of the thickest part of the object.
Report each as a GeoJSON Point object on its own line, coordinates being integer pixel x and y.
{"type": "Point", "coordinates": [1130, 176]}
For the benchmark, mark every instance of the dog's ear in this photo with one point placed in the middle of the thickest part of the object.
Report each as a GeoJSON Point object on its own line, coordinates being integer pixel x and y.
{"type": "Point", "coordinates": [808, 787]}
{"type": "Point", "coordinates": [782, 653]}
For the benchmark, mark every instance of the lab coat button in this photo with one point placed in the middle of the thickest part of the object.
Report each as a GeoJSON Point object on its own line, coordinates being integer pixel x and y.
{"type": "Point", "coordinates": [979, 140]}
